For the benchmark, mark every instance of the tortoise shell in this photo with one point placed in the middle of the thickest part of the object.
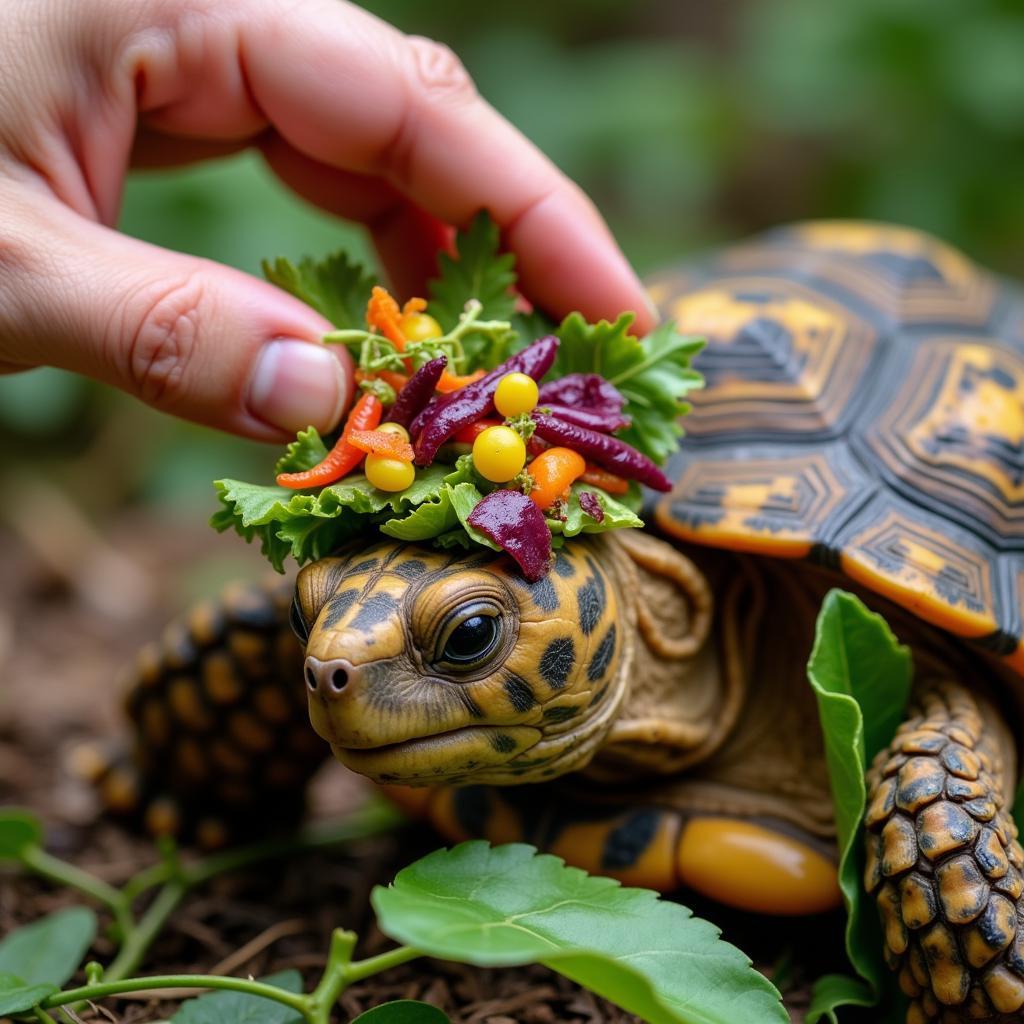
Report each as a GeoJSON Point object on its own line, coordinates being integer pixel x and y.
{"type": "Point", "coordinates": [864, 409]}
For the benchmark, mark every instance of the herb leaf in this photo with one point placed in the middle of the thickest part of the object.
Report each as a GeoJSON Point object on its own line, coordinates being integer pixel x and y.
{"type": "Point", "coordinates": [242, 1008]}
{"type": "Point", "coordinates": [504, 905]}
{"type": "Point", "coordinates": [48, 951]}
{"type": "Point", "coordinates": [17, 996]}
{"type": "Point", "coordinates": [861, 677]}
{"type": "Point", "coordinates": [479, 271]}
{"type": "Point", "coordinates": [653, 375]}
{"type": "Point", "coordinates": [336, 286]}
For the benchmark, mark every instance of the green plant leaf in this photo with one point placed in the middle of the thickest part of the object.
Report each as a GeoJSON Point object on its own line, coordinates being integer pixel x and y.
{"type": "Point", "coordinates": [337, 287]}
{"type": "Point", "coordinates": [834, 990]}
{"type": "Point", "coordinates": [861, 677]}
{"type": "Point", "coordinates": [19, 831]}
{"type": "Point", "coordinates": [477, 271]}
{"type": "Point", "coordinates": [242, 1008]}
{"type": "Point", "coordinates": [653, 375]}
{"type": "Point", "coordinates": [17, 996]}
{"type": "Point", "coordinates": [504, 905]}
{"type": "Point", "coordinates": [403, 1011]}
{"type": "Point", "coordinates": [305, 452]}
{"type": "Point", "coordinates": [616, 515]}
{"type": "Point", "coordinates": [48, 951]}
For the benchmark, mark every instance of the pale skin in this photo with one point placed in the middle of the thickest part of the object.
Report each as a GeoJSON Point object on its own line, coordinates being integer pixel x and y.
{"type": "Point", "coordinates": [367, 123]}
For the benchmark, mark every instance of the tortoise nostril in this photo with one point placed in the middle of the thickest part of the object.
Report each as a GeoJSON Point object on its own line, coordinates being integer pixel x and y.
{"type": "Point", "coordinates": [310, 678]}
{"type": "Point", "coordinates": [339, 679]}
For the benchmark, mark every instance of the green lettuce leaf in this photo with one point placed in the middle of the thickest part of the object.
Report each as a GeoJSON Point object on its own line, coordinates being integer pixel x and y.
{"type": "Point", "coordinates": [861, 677]}
{"type": "Point", "coordinates": [336, 287]}
{"type": "Point", "coordinates": [305, 452]}
{"type": "Point", "coordinates": [616, 515]}
{"type": "Point", "coordinates": [653, 375]}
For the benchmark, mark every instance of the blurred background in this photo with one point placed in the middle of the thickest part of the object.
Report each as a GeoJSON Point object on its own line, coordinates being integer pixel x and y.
{"type": "Point", "coordinates": [688, 122]}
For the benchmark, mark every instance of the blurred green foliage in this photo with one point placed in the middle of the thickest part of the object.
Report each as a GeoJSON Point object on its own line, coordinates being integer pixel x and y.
{"type": "Point", "coordinates": [688, 122]}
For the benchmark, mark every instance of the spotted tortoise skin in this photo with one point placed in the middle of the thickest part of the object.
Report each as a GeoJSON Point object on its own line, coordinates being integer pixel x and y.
{"type": "Point", "coordinates": [223, 747]}
{"type": "Point", "coordinates": [864, 408]}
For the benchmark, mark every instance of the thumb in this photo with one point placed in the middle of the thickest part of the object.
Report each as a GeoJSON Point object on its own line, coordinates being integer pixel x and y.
{"type": "Point", "coordinates": [186, 335]}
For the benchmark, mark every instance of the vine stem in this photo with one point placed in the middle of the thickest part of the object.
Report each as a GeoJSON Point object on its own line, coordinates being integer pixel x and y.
{"type": "Point", "coordinates": [113, 988]}
{"type": "Point", "coordinates": [381, 962]}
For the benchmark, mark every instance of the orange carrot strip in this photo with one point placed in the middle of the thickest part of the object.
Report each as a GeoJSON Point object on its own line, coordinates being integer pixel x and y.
{"type": "Point", "coordinates": [343, 457]}
{"type": "Point", "coordinates": [396, 380]}
{"type": "Point", "coordinates": [383, 314]}
{"type": "Point", "coordinates": [414, 305]}
{"type": "Point", "coordinates": [553, 474]}
{"type": "Point", "coordinates": [381, 442]}
{"type": "Point", "coordinates": [608, 482]}
{"type": "Point", "coordinates": [467, 435]}
{"type": "Point", "coordinates": [453, 382]}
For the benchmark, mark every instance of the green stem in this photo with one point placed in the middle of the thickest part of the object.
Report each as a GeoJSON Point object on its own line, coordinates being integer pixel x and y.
{"type": "Point", "coordinates": [140, 936]}
{"type": "Point", "coordinates": [381, 962]}
{"type": "Point", "coordinates": [115, 988]}
{"type": "Point", "coordinates": [59, 871]}
{"type": "Point", "coordinates": [335, 977]}
{"type": "Point", "coordinates": [42, 1016]}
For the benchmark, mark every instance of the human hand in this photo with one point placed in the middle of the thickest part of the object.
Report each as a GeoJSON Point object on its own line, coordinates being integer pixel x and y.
{"type": "Point", "coordinates": [366, 122]}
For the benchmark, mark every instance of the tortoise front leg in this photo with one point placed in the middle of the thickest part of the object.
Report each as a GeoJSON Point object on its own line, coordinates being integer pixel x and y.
{"type": "Point", "coordinates": [943, 860]}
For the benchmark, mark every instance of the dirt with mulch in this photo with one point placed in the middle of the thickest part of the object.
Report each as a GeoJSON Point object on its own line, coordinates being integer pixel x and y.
{"type": "Point", "coordinates": [67, 627]}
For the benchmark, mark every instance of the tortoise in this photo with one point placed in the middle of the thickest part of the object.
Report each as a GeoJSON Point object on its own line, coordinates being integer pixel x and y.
{"type": "Point", "coordinates": [643, 710]}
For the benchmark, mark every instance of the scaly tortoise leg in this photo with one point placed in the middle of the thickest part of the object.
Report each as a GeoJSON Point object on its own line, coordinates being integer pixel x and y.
{"type": "Point", "coordinates": [223, 747]}
{"type": "Point", "coordinates": [944, 863]}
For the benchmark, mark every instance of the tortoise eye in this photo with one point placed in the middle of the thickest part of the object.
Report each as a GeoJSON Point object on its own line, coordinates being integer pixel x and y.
{"type": "Point", "coordinates": [469, 636]}
{"type": "Point", "coordinates": [298, 622]}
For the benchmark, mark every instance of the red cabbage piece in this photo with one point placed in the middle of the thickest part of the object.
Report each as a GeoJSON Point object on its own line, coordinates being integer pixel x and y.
{"type": "Point", "coordinates": [591, 506]}
{"type": "Point", "coordinates": [514, 523]}
{"type": "Point", "coordinates": [588, 391]}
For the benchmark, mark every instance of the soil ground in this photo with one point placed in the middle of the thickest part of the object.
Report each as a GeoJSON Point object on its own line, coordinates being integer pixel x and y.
{"type": "Point", "coordinates": [69, 622]}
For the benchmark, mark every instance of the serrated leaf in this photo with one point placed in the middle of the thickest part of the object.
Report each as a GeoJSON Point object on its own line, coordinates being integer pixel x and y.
{"type": "Point", "coordinates": [508, 905]}
{"type": "Point", "coordinates": [861, 677]}
{"type": "Point", "coordinates": [49, 951]}
{"type": "Point", "coordinates": [403, 1011]}
{"type": "Point", "coordinates": [305, 452]}
{"type": "Point", "coordinates": [477, 271]}
{"type": "Point", "coordinates": [336, 286]}
{"type": "Point", "coordinates": [17, 996]}
{"type": "Point", "coordinates": [242, 1008]}
{"type": "Point", "coordinates": [652, 374]}
{"type": "Point", "coordinates": [19, 831]}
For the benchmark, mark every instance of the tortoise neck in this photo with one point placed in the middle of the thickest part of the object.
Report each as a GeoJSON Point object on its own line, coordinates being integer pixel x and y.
{"type": "Point", "coordinates": [685, 690]}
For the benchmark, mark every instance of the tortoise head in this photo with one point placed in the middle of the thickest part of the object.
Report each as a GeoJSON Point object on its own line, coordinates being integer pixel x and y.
{"type": "Point", "coordinates": [425, 667]}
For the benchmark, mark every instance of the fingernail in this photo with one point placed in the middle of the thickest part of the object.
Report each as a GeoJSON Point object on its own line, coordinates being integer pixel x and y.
{"type": "Point", "coordinates": [296, 384]}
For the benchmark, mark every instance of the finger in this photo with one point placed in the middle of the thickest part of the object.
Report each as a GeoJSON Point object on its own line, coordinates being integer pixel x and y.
{"type": "Point", "coordinates": [349, 91]}
{"type": "Point", "coordinates": [406, 237]}
{"type": "Point", "coordinates": [188, 336]}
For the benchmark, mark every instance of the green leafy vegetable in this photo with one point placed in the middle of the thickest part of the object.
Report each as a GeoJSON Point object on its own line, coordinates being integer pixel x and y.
{"type": "Point", "coordinates": [616, 514]}
{"type": "Point", "coordinates": [496, 906]}
{"type": "Point", "coordinates": [242, 1008]}
{"type": "Point", "coordinates": [653, 375]}
{"type": "Point", "coordinates": [403, 1011]}
{"type": "Point", "coordinates": [19, 830]}
{"type": "Point", "coordinates": [48, 951]}
{"type": "Point", "coordinates": [478, 271]}
{"type": "Point", "coordinates": [861, 677]}
{"type": "Point", "coordinates": [336, 287]}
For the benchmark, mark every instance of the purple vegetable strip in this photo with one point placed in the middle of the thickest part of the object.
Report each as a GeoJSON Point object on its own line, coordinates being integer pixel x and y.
{"type": "Point", "coordinates": [515, 524]}
{"type": "Point", "coordinates": [591, 506]}
{"type": "Point", "coordinates": [608, 452]}
{"type": "Point", "coordinates": [588, 391]}
{"type": "Point", "coordinates": [476, 400]}
{"type": "Point", "coordinates": [601, 421]}
{"type": "Point", "coordinates": [418, 391]}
